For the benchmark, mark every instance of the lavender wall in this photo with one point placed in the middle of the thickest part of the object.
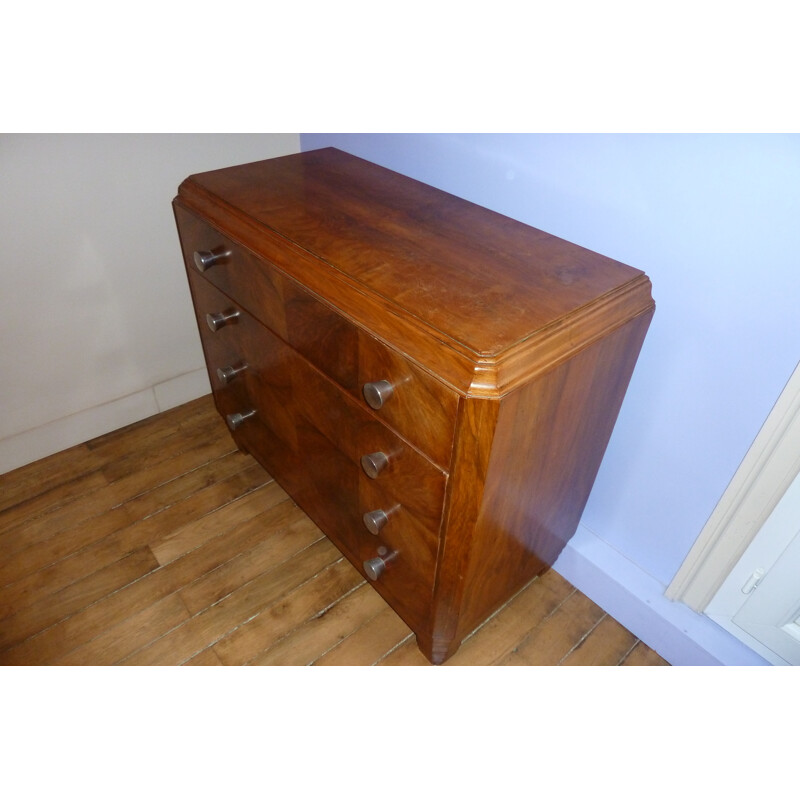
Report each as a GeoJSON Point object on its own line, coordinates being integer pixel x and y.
{"type": "Point", "coordinates": [713, 220]}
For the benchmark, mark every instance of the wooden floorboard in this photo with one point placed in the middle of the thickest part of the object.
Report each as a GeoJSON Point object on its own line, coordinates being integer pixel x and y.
{"type": "Point", "coordinates": [161, 544]}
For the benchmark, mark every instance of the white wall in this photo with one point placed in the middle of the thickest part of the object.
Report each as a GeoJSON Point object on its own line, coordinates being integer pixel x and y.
{"type": "Point", "coordinates": [96, 322]}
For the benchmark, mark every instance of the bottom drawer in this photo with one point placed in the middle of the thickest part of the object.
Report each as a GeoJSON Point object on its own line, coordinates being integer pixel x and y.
{"type": "Point", "coordinates": [400, 559]}
{"type": "Point", "coordinates": [310, 435]}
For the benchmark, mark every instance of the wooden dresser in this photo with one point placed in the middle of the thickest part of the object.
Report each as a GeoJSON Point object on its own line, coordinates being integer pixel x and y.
{"type": "Point", "coordinates": [433, 383]}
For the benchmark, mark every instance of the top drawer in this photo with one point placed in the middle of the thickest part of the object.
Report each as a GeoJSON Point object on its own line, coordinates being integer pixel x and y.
{"type": "Point", "coordinates": [403, 395]}
{"type": "Point", "coordinates": [252, 283]}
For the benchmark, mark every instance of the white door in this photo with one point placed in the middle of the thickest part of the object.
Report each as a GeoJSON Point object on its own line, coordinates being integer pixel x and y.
{"type": "Point", "coordinates": [759, 602]}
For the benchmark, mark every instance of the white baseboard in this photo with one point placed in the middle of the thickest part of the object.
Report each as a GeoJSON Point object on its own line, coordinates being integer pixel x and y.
{"type": "Point", "coordinates": [60, 434]}
{"type": "Point", "coordinates": [636, 600]}
{"type": "Point", "coordinates": [181, 389]}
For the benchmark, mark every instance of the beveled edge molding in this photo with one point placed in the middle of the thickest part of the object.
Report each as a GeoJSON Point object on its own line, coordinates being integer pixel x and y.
{"type": "Point", "coordinates": [767, 470]}
{"type": "Point", "coordinates": [551, 346]}
{"type": "Point", "coordinates": [462, 369]}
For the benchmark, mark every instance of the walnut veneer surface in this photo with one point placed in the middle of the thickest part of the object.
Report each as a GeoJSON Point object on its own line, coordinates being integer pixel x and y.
{"type": "Point", "coordinates": [507, 352]}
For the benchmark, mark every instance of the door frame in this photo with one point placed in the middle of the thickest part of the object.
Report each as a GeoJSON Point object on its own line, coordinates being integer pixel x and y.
{"type": "Point", "coordinates": [768, 469]}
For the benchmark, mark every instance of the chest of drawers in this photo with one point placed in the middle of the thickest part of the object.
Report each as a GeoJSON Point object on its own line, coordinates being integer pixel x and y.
{"type": "Point", "coordinates": [434, 384]}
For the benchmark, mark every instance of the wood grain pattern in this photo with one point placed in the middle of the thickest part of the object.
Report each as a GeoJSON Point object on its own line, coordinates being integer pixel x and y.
{"type": "Point", "coordinates": [434, 337]}
{"type": "Point", "coordinates": [553, 639]}
{"type": "Point", "coordinates": [259, 286]}
{"type": "Point", "coordinates": [243, 578]}
{"type": "Point", "coordinates": [513, 622]}
{"type": "Point", "coordinates": [116, 642]}
{"type": "Point", "coordinates": [292, 611]}
{"type": "Point", "coordinates": [381, 633]}
{"type": "Point", "coordinates": [509, 351]}
{"type": "Point", "coordinates": [311, 640]}
{"type": "Point", "coordinates": [332, 344]}
{"type": "Point", "coordinates": [210, 624]}
{"type": "Point", "coordinates": [642, 656]}
{"type": "Point", "coordinates": [421, 409]}
{"type": "Point", "coordinates": [357, 216]}
{"type": "Point", "coordinates": [608, 642]}
{"type": "Point", "coordinates": [541, 462]}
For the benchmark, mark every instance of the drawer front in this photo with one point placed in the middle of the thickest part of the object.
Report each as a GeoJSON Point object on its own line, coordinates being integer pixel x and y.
{"type": "Point", "coordinates": [254, 285]}
{"type": "Point", "coordinates": [311, 327]}
{"type": "Point", "coordinates": [419, 407]}
{"type": "Point", "coordinates": [405, 498]}
{"type": "Point", "coordinates": [336, 494]}
{"type": "Point", "coordinates": [320, 334]}
{"type": "Point", "coordinates": [409, 476]}
{"type": "Point", "coordinates": [310, 435]}
{"type": "Point", "coordinates": [250, 370]}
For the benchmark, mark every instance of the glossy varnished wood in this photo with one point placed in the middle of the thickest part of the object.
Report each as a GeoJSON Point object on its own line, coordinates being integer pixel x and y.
{"type": "Point", "coordinates": [509, 352]}
{"type": "Point", "coordinates": [423, 408]}
{"type": "Point", "coordinates": [540, 451]}
{"type": "Point", "coordinates": [481, 298]}
{"type": "Point", "coordinates": [461, 264]}
{"type": "Point", "coordinates": [161, 544]}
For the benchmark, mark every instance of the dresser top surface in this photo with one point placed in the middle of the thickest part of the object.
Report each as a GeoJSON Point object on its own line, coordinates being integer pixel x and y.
{"type": "Point", "coordinates": [476, 276]}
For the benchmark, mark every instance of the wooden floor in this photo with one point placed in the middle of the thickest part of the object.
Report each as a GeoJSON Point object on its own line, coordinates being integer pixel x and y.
{"type": "Point", "coordinates": [161, 544]}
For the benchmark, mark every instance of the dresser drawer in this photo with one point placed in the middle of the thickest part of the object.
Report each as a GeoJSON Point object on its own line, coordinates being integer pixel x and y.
{"type": "Point", "coordinates": [404, 499]}
{"type": "Point", "coordinates": [418, 406]}
{"type": "Point", "coordinates": [336, 494]}
{"type": "Point", "coordinates": [252, 283]}
{"type": "Point", "coordinates": [310, 435]}
{"type": "Point", "coordinates": [404, 396]}
{"type": "Point", "coordinates": [312, 328]}
{"type": "Point", "coordinates": [414, 481]}
{"type": "Point", "coordinates": [249, 367]}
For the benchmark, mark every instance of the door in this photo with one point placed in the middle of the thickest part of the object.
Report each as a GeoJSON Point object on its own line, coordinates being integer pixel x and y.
{"type": "Point", "coordinates": [759, 602]}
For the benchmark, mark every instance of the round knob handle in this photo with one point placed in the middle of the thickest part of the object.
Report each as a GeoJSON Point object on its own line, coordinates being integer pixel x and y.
{"type": "Point", "coordinates": [217, 321]}
{"type": "Point", "coordinates": [375, 520]}
{"type": "Point", "coordinates": [227, 374]}
{"type": "Point", "coordinates": [237, 419]}
{"type": "Point", "coordinates": [374, 463]}
{"type": "Point", "coordinates": [377, 393]}
{"type": "Point", "coordinates": [374, 567]}
{"type": "Point", "coordinates": [205, 259]}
